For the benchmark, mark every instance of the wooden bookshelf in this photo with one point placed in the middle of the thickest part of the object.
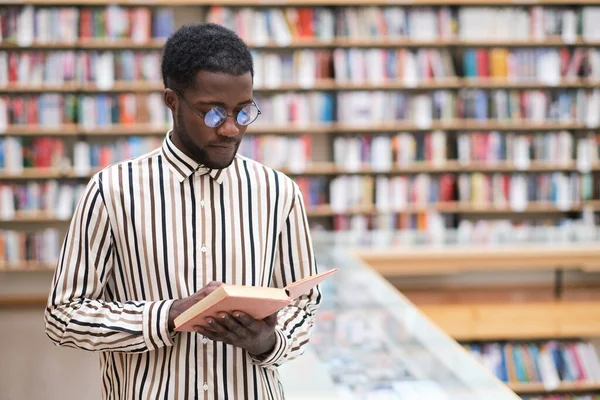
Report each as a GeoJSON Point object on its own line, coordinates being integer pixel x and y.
{"type": "Point", "coordinates": [517, 320]}
{"type": "Point", "coordinates": [564, 387]}
{"type": "Point", "coordinates": [306, 43]}
{"type": "Point", "coordinates": [453, 208]}
{"type": "Point", "coordinates": [326, 210]}
{"type": "Point", "coordinates": [29, 217]}
{"type": "Point", "coordinates": [327, 168]}
{"type": "Point", "coordinates": [22, 301]}
{"type": "Point", "coordinates": [402, 261]}
{"type": "Point", "coordinates": [44, 173]}
{"type": "Point", "coordinates": [87, 44]}
{"type": "Point", "coordinates": [291, 3]}
{"type": "Point", "coordinates": [299, 129]}
{"type": "Point", "coordinates": [450, 166]}
{"type": "Point", "coordinates": [27, 266]}
{"type": "Point", "coordinates": [319, 85]}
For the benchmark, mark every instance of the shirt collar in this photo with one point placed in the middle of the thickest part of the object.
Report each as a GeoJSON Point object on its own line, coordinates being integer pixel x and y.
{"type": "Point", "coordinates": [183, 166]}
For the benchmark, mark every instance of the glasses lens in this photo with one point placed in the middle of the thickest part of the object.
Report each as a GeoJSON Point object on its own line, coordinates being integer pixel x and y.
{"type": "Point", "coordinates": [215, 117]}
{"type": "Point", "coordinates": [247, 115]}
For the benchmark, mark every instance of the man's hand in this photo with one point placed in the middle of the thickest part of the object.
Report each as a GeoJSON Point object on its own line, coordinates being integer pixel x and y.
{"type": "Point", "coordinates": [240, 330]}
{"type": "Point", "coordinates": [181, 305]}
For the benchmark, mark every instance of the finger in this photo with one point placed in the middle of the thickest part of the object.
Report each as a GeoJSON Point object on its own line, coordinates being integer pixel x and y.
{"type": "Point", "coordinates": [213, 326]}
{"type": "Point", "coordinates": [211, 335]}
{"type": "Point", "coordinates": [271, 320]}
{"type": "Point", "coordinates": [231, 324]}
{"type": "Point", "coordinates": [206, 290]}
{"type": "Point", "coordinates": [211, 287]}
{"type": "Point", "coordinates": [220, 332]}
{"type": "Point", "coordinates": [246, 321]}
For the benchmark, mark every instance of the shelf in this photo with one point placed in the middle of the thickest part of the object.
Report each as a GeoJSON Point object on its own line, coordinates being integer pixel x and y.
{"type": "Point", "coordinates": [45, 173]}
{"type": "Point", "coordinates": [308, 43]}
{"type": "Point", "coordinates": [318, 85]}
{"type": "Point", "coordinates": [35, 217]}
{"type": "Point", "coordinates": [124, 86]}
{"type": "Point", "coordinates": [66, 87]}
{"type": "Point", "coordinates": [23, 301]}
{"type": "Point", "coordinates": [27, 266]}
{"type": "Point", "coordinates": [87, 44]}
{"type": "Point", "coordinates": [325, 168]}
{"type": "Point", "coordinates": [393, 127]}
{"type": "Point", "coordinates": [460, 83]}
{"type": "Point", "coordinates": [74, 129]}
{"type": "Point", "coordinates": [517, 320]}
{"type": "Point", "coordinates": [451, 208]}
{"type": "Point", "coordinates": [450, 166]}
{"type": "Point", "coordinates": [286, 3]}
{"type": "Point", "coordinates": [390, 42]}
{"type": "Point", "coordinates": [535, 387]}
{"type": "Point", "coordinates": [326, 211]}
{"type": "Point", "coordinates": [39, 130]}
{"type": "Point", "coordinates": [127, 130]}
{"type": "Point", "coordinates": [400, 262]}
{"type": "Point", "coordinates": [299, 129]}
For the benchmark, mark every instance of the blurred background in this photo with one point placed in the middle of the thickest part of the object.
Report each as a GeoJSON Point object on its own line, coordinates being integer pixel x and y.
{"type": "Point", "coordinates": [443, 137]}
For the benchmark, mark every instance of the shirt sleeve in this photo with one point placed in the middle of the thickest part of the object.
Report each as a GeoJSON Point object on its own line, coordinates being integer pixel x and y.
{"type": "Point", "coordinates": [76, 314]}
{"type": "Point", "coordinates": [294, 260]}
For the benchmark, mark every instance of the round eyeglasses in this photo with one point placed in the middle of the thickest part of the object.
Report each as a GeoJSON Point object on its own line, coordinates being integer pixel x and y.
{"type": "Point", "coordinates": [217, 115]}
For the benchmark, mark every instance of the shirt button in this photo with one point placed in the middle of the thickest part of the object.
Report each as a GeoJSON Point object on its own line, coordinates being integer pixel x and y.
{"type": "Point", "coordinates": [205, 341]}
{"type": "Point", "coordinates": [203, 249]}
{"type": "Point", "coordinates": [205, 387]}
{"type": "Point", "coordinates": [202, 203]}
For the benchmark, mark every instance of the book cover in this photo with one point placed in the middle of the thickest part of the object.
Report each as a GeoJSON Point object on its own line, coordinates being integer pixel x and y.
{"type": "Point", "coordinates": [256, 301]}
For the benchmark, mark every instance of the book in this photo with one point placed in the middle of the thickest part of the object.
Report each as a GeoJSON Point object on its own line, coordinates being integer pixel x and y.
{"type": "Point", "coordinates": [257, 301]}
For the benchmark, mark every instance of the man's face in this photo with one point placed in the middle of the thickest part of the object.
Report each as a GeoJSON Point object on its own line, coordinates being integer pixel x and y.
{"type": "Point", "coordinates": [211, 147]}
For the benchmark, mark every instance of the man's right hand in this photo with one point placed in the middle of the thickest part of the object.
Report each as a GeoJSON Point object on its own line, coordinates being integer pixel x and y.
{"type": "Point", "coordinates": [181, 305]}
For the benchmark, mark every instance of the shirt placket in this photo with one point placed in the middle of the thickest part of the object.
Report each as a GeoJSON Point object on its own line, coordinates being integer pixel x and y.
{"type": "Point", "coordinates": [203, 222]}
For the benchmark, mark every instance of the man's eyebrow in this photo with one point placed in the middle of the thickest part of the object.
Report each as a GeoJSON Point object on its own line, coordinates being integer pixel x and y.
{"type": "Point", "coordinates": [221, 104]}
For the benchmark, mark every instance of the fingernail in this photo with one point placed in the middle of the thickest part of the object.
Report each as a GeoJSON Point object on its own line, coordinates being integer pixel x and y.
{"type": "Point", "coordinates": [209, 320]}
{"type": "Point", "coordinates": [237, 315]}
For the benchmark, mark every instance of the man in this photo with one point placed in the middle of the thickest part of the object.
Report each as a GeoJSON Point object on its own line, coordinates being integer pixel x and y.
{"type": "Point", "coordinates": [153, 235]}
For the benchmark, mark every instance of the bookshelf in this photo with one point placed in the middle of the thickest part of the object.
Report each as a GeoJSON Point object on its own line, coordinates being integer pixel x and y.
{"type": "Point", "coordinates": [321, 85]}
{"type": "Point", "coordinates": [454, 98]}
{"type": "Point", "coordinates": [327, 168]}
{"type": "Point", "coordinates": [299, 3]}
{"type": "Point", "coordinates": [444, 47]}
{"type": "Point", "coordinates": [306, 43]}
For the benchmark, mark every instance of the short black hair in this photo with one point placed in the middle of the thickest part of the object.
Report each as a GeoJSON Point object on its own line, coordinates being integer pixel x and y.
{"type": "Point", "coordinates": [203, 47]}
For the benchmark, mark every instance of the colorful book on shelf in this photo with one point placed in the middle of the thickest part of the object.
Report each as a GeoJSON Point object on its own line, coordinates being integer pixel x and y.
{"type": "Point", "coordinates": [257, 301]}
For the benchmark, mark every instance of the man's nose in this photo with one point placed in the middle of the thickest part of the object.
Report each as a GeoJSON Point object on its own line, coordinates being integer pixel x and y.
{"type": "Point", "coordinates": [229, 128]}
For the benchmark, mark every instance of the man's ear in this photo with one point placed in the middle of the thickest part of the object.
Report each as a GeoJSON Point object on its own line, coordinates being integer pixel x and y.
{"type": "Point", "coordinates": [170, 99]}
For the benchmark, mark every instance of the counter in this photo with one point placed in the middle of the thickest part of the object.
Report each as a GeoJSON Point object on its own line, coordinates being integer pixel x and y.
{"type": "Point", "coordinates": [370, 342]}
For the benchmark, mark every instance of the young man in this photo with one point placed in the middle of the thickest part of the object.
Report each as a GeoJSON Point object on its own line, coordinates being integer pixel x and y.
{"type": "Point", "coordinates": [152, 235]}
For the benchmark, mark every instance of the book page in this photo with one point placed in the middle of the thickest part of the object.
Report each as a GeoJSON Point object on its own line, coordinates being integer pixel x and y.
{"type": "Point", "coordinates": [302, 286]}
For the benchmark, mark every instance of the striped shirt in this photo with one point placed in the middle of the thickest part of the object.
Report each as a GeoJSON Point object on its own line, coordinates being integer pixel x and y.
{"type": "Point", "coordinates": [160, 227]}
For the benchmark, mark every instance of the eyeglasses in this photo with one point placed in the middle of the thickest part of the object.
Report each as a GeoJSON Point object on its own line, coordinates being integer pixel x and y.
{"type": "Point", "coordinates": [217, 115]}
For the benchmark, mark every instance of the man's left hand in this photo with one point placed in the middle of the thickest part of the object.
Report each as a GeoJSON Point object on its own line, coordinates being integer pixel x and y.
{"type": "Point", "coordinates": [240, 330]}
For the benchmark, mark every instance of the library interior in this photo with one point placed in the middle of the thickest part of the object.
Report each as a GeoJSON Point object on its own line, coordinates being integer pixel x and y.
{"type": "Point", "coordinates": [447, 153]}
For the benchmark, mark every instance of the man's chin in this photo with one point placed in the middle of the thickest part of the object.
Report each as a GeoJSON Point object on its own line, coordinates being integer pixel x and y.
{"type": "Point", "coordinates": [219, 164]}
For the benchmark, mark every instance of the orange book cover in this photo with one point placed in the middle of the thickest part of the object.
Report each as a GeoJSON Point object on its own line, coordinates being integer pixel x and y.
{"type": "Point", "coordinates": [257, 301]}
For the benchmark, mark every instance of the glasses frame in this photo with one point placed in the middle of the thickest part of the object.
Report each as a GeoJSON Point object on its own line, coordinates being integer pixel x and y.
{"type": "Point", "coordinates": [199, 114]}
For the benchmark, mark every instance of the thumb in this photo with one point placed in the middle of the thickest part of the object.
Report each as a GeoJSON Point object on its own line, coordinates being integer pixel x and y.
{"type": "Point", "coordinates": [271, 319]}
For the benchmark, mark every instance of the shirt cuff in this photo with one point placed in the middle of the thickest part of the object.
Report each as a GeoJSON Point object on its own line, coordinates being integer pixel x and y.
{"type": "Point", "coordinates": [155, 324]}
{"type": "Point", "coordinates": [279, 350]}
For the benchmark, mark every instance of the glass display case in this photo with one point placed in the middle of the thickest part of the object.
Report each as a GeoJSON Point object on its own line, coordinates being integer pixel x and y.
{"type": "Point", "coordinates": [370, 342]}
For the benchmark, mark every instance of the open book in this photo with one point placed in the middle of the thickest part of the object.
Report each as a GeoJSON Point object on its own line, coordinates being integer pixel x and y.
{"type": "Point", "coordinates": [257, 301]}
